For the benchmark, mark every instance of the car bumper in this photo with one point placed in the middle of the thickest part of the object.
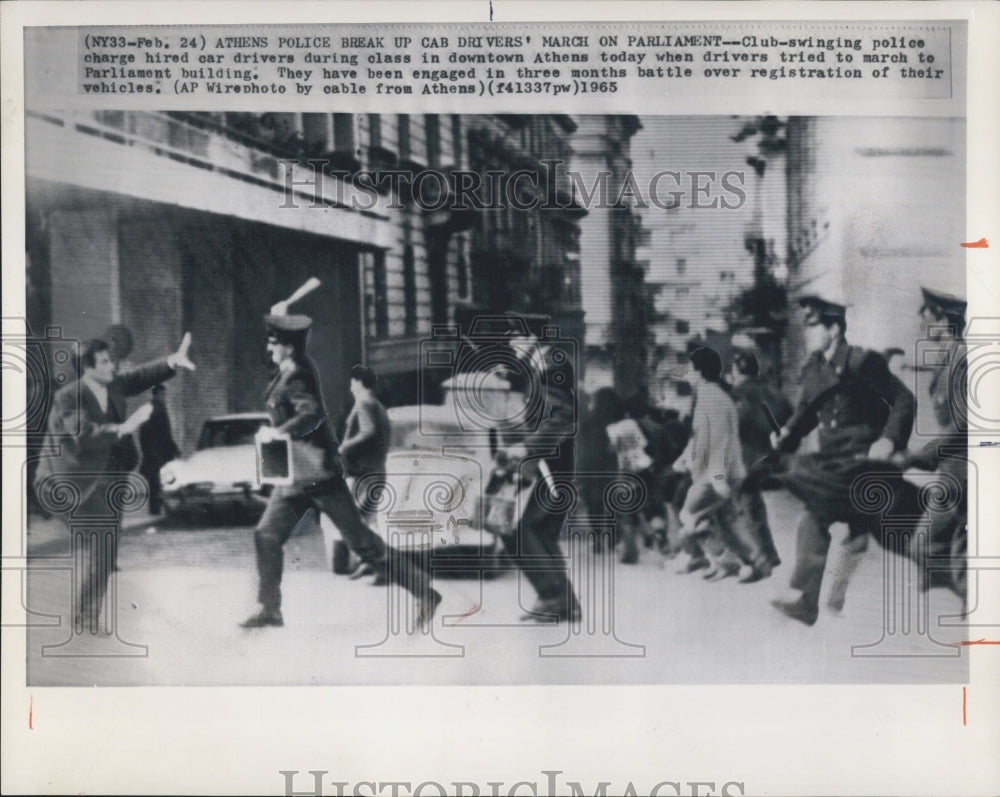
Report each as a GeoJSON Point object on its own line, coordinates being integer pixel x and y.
{"type": "Point", "coordinates": [186, 500]}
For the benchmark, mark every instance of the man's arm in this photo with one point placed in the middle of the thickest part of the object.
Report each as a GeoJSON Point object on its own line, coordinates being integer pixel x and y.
{"type": "Point", "coordinates": [804, 419]}
{"type": "Point", "coordinates": [899, 425]}
{"type": "Point", "coordinates": [143, 377]}
{"type": "Point", "coordinates": [879, 385]}
{"type": "Point", "coordinates": [307, 413]}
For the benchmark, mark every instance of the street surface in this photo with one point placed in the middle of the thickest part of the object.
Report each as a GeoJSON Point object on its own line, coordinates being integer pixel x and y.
{"type": "Point", "coordinates": [182, 592]}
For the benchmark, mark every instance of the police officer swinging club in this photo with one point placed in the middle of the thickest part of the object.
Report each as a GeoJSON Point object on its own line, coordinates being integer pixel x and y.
{"type": "Point", "coordinates": [847, 393]}
{"type": "Point", "coordinates": [298, 416]}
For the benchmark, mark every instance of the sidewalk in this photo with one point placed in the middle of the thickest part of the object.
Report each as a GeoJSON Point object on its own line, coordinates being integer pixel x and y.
{"type": "Point", "coordinates": [50, 537]}
{"type": "Point", "coordinates": [690, 631]}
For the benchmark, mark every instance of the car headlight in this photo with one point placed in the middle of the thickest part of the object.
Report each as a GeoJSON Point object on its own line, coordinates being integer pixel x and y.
{"type": "Point", "coordinates": [167, 475]}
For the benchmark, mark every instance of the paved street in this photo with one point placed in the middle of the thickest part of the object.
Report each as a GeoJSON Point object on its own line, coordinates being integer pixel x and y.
{"type": "Point", "coordinates": [182, 592]}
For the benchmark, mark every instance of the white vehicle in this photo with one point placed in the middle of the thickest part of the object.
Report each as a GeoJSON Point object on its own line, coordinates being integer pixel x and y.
{"type": "Point", "coordinates": [437, 471]}
{"type": "Point", "coordinates": [220, 477]}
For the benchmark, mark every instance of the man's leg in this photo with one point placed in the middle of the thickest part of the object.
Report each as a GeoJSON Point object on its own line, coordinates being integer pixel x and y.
{"type": "Point", "coordinates": [535, 550]}
{"type": "Point", "coordinates": [942, 527]}
{"type": "Point", "coordinates": [761, 528]}
{"type": "Point", "coordinates": [811, 548]}
{"type": "Point", "coordinates": [750, 536]}
{"type": "Point", "coordinates": [153, 481]}
{"type": "Point", "coordinates": [338, 503]}
{"type": "Point", "coordinates": [273, 529]}
{"type": "Point", "coordinates": [851, 555]}
{"type": "Point", "coordinates": [100, 557]}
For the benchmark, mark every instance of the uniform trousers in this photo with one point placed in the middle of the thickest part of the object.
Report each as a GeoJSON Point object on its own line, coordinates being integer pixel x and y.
{"type": "Point", "coordinates": [331, 496]}
{"type": "Point", "coordinates": [535, 550]}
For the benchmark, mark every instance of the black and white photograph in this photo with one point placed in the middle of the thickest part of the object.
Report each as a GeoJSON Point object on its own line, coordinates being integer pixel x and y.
{"type": "Point", "coordinates": [368, 357]}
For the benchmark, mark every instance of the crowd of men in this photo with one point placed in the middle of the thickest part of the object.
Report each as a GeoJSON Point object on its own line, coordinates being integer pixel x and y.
{"type": "Point", "coordinates": [703, 475]}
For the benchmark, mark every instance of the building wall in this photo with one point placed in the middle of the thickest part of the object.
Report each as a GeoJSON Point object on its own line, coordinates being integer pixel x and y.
{"type": "Point", "coordinates": [611, 279]}
{"type": "Point", "coordinates": [877, 209]}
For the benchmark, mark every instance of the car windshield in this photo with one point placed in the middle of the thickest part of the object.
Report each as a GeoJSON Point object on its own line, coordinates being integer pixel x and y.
{"type": "Point", "coordinates": [229, 432]}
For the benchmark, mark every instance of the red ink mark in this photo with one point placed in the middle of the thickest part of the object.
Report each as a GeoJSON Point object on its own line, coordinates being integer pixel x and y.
{"type": "Point", "coordinates": [982, 243]}
{"type": "Point", "coordinates": [977, 642]}
{"type": "Point", "coordinates": [473, 610]}
{"type": "Point", "coordinates": [964, 716]}
{"type": "Point", "coordinates": [31, 713]}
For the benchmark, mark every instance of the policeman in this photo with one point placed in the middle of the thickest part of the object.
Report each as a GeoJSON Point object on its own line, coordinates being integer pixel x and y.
{"type": "Point", "coordinates": [295, 405]}
{"type": "Point", "coordinates": [545, 376]}
{"type": "Point", "coordinates": [847, 394]}
{"type": "Point", "coordinates": [943, 318]}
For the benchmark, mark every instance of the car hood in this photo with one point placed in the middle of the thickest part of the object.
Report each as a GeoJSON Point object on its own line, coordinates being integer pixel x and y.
{"type": "Point", "coordinates": [225, 464]}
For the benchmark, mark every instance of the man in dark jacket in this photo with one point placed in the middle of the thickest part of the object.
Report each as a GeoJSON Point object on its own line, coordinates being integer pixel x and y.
{"type": "Point", "coordinates": [943, 318]}
{"type": "Point", "coordinates": [86, 423]}
{"type": "Point", "coordinates": [847, 394]}
{"type": "Point", "coordinates": [762, 410]}
{"type": "Point", "coordinates": [158, 447]}
{"type": "Point", "coordinates": [295, 404]}
{"type": "Point", "coordinates": [545, 372]}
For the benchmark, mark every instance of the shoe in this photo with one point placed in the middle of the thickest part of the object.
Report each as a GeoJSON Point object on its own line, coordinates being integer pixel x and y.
{"type": "Point", "coordinates": [544, 611]}
{"type": "Point", "coordinates": [692, 565]}
{"type": "Point", "coordinates": [363, 569]}
{"type": "Point", "coordinates": [630, 558]}
{"type": "Point", "coordinates": [749, 574]}
{"type": "Point", "coordinates": [719, 573]}
{"type": "Point", "coordinates": [428, 606]}
{"type": "Point", "coordinates": [538, 612]}
{"type": "Point", "coordinates": [262, 619]}
{"type": "Point", "coordinates": [797, 610]}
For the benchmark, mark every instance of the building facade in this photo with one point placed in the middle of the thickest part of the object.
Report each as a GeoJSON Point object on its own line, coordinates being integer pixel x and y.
{"type": "Point", "coordinates": [174, 222]}
{"type": "Point", "coordinates": [616, 329]}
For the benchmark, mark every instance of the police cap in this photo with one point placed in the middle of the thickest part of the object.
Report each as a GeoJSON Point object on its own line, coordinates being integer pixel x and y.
{"type": "Point", "coordinates": [942, 303]}
{"type": "Point", "coordinates": [287, 328]}
{"type": "Point", "coordinates": [820, 309]}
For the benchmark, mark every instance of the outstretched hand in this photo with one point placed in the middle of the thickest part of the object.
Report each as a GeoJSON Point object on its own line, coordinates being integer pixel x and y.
{"type": "Point", "coordinates": [180, 359]}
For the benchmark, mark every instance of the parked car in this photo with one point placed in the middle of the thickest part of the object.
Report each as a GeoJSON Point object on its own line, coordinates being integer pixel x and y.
{"type": "Point", "coordinates": [219, 480]}
{"type": "Point", "coordinates": [436, 474]}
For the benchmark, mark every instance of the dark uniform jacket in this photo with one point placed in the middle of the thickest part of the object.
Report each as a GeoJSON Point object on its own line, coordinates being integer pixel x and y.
{"type": "Point", "coordinates": [899, 426]}
{"type": "Point", "coordinates": [853, 402]}
{"type": "Point", "coordinates": [851, 399]}
{"type": "Point", "coordinates": [949, 400]}
{"type": "Point", "coordinates": [295, 403]}
{"type": "Point", "coordinates": [549, 428]}
{"type": "Point", "coordinates": [81, 438]}
{"type": "Point", "coordinates": [949, 390]}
